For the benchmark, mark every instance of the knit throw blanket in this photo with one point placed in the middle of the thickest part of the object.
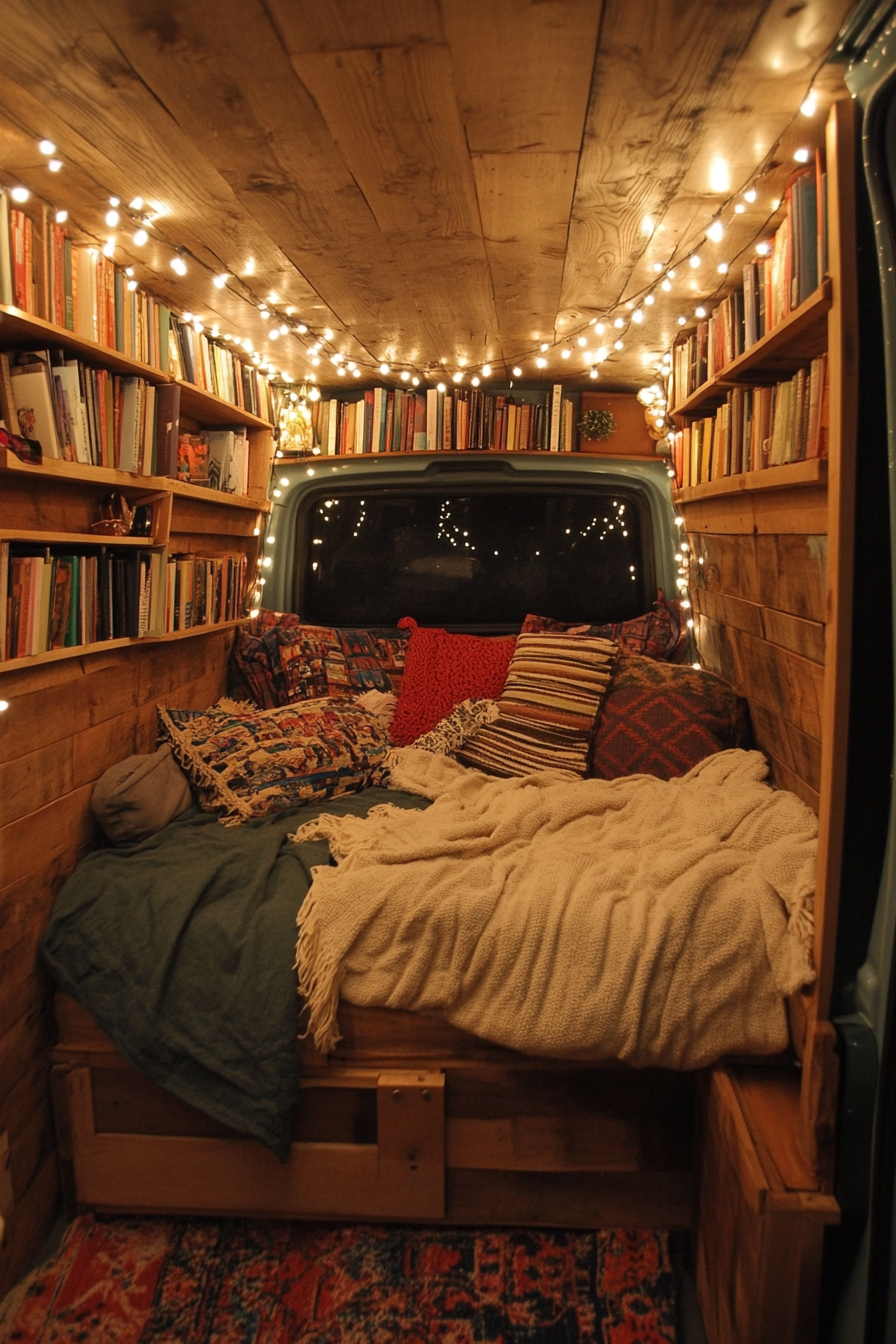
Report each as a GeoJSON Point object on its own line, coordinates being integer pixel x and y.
{"type": "Point", "coordinates": [656, 922]}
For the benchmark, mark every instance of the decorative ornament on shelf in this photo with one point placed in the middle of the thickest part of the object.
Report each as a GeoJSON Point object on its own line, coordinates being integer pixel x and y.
{"type": "Point", "coordinates": [597, 425]}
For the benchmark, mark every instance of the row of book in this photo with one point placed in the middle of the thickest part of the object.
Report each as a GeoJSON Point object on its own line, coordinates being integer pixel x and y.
{"type": "Point", "coordinates": [757, 427]}
{"type": "Point", "coordinates": [199, 359]}
{"type": "Point", "coordinates": [53, 599]}
{"type": "Point", "coordinates": [78, 413]}
{"type": "Point", "coordinates": [76, 287]}
{"type": "Point", "coordinates": [773, 287]}
{"type": "Point", "coordinates": [459, 419]}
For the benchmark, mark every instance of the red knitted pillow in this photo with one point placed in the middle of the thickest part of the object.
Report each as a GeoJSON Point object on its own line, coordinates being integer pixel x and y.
{"type": "Point", "coordinates": [441, 671]}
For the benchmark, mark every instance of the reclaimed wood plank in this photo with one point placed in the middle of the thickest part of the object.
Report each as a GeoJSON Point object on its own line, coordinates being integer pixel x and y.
{"type": "Point", "coordinates": [803, 511]}
{"type": "Point", "coordinates": [806, 638]}
{"type": "Point", "coordinates": [775, 678]}
{"type": "Point", "coordinates": [785, 573]}
{"type": "Point", "coordinates": [795, 750]}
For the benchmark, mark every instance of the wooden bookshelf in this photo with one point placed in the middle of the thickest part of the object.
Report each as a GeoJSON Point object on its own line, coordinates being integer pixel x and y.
{"type": "Point", "coordinates": [797, 339]}
{"type": "Point", "coordinates": [787, 476]}
{"type": "Point", "coordinates": [18, 328]}
{"type": "Point", "coordinates": [103, 646]}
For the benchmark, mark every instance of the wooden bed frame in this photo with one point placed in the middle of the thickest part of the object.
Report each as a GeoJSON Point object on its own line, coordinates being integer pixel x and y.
{"type": "Point", "coordinates": [412, 1119]}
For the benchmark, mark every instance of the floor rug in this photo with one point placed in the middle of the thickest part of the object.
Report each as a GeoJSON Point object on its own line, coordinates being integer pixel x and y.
{"type": "Point", "coordinates": [229, 1281]}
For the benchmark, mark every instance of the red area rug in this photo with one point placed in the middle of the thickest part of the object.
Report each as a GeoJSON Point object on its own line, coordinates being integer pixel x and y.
{"type": "Point", "coordinates": [161, 1280]}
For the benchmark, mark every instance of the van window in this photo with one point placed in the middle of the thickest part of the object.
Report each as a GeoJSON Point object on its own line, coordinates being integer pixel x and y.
{"type": "Point", "coordinates": [482, 557]}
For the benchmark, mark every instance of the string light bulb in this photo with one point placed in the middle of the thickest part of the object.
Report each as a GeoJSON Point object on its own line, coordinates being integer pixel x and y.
{"type": "Point", "coordinates": [219, 281]}
{"type": "Point", "coordinates": [179, 265]}
{"type": "Point", "coordinates": [140, 237]}
{"type": "Point", "coordinates": [541, 362]}
{"type": "Point", "coordinates": [61, 216]}
{"type": "Point", "coordinates": [715, 233]}
{"type": "Point", "coordinates": [517, 371]}
{"type": "Point", "coordinates": [47, 147]}
{"type": "Point", "coordinates": [384, 368]}
{"type": "Point", "coordinates": [20, 195]}
{"type": "Point", "coordinates": [694, 259]}
{"type": "Point", "coordinates": [486, 370]}
{"type": "Point", "coordinates": [802, 155]}
{"type": "Point", "coordinates": [55, 165]}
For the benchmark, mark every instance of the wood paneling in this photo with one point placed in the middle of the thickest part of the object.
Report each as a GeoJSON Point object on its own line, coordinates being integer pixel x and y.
{"type": "Point", "coordinates": [773, 677]}
{"type": "Point", "coordinates": [430, 181]}
{"type": "Point", "coordinates": [66, 724]}
{"type": "Point", "coordinates": [783, 573]}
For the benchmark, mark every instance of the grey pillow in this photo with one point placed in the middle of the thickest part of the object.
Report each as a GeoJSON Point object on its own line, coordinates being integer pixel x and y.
{"type": "Point", "coordinates": [140, 795]}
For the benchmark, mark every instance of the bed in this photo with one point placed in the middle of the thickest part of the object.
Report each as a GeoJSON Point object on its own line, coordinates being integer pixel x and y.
{"type": "Point", "coordinates": [180, 1081]}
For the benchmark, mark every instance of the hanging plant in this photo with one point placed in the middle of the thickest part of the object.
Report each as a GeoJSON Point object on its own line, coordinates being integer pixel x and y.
{"type": "Point", "coordinates": [597, 425]}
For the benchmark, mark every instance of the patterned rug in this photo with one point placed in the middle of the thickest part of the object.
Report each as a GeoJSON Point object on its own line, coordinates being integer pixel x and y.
{"type": "Point", "coordinates": [161, 1280]}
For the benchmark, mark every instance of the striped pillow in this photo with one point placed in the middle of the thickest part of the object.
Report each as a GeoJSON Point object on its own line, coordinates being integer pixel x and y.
{"type": "Point", "coordinates": [548, 707]}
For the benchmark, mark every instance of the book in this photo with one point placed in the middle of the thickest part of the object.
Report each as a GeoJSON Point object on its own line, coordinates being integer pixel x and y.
{"type": "Point", "coordinates": [34, 401]}
{"type": "Point", "coordinates": [167, 428]}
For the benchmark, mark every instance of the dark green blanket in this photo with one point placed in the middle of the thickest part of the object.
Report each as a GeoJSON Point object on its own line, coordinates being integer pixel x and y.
{"type": "Point", "coordinates": [183, 949]}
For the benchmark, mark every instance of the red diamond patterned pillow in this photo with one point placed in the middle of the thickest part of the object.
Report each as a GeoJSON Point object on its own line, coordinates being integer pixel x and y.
{"type": "Point", "coordinates": [662, 719]}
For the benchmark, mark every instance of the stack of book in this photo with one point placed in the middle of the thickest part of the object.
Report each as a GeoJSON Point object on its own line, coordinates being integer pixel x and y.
{"type": "Point", "coordinates": [773, 287]}
{"type": "Point", "coordinates": [204, 590]}
{"type": "Point", "coordinates": [53, 598]}
{"type": "Point", "coordinates": [458, 420]}
{"type": "Point", "coordinates": [757, 427]}
{"type": "Point", "coordinates": [216, 458]}
{"type": "Point", "coordinates": [213, 366]}
{"type": "Point", "coordinates": [45, 274]}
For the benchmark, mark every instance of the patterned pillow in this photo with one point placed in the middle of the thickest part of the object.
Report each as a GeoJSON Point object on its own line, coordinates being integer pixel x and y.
{"type": "Point", "coordinates": [660, 633]}
{"type": "Point", "coordinates": [457, 727]}
{"type": "Point", "coordinates": [547, 708]}
{"type": "Point", "coordinates": [659, 719]}
{"type": "Point", "coordinates": [278, 660]}
{"type": "Point", "coordinates": [245, 762]}
{"type": "Point", "coordinates": [442, 670]}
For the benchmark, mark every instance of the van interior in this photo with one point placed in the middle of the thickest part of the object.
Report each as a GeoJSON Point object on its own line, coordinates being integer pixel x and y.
{"type": "Point", "coordinates": [484, 364]}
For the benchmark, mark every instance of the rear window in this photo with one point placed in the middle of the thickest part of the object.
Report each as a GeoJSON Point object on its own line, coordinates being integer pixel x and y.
{"type": "Point", "coordinates": [481, 557]}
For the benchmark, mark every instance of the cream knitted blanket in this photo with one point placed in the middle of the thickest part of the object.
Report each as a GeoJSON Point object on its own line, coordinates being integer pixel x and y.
{"type": "Point", "coordinates": [633, 919]}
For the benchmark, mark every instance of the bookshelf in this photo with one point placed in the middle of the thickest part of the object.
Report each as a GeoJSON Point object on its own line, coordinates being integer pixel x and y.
{"type": "Point", "coordinates": [198, 535]}
{"type": "Point", "coordinates": [770, 573]}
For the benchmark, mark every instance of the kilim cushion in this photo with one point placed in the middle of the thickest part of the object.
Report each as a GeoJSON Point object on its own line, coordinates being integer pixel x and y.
{"type": "Point", "coordinates": [547, 708]}
{"type": "Point", "coordinates": [278, 660]}
{"type": "Point", "coordinates": [659, 719]}
{"type": "Point", "coordinates": [245, 762]}
{"type": "Point", "coordinates": [660, 633]}
{"type": "Point", "coordinates": [442, 670]}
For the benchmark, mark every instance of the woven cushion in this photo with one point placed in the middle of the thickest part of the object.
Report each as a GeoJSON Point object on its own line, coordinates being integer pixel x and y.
{"type": "Point", "coordinates": [458, 727]}
{"type": "Point", "coordinates": [441, 671]}
{"type": "Point", "coordinates": [278, 660]}
{"type": "Point", "coordinates": [547, 708]}
{"type": "Point", "coordinates": [659, 719]}
{"type": "Point", "coordinates": [660, 633]}
{"type": "Point", "coordinates": [246, 762]}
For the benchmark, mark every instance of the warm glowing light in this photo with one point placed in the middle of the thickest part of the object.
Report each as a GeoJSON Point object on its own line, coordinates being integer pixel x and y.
{"type": "Point", "coordinates": [541, 363]}
{"type": "Point", "coordinates": [664, 284]}
{"type": "Point", "coordinates": [112, 218]}
{"type": "Point", "coordinates": [61, 216]}
{"type": "Point", "coordinates": [405, 376]}
{"type": "Point", "coordinates": [565, 353]}
{"type": "Point", "coordinates": [682, 321]}
{"type": "Point", "coordinates": [517, 371]}
{"type": "Point", "coordinates": [140, 237]}
{"type": "Point", "coordinates": [649, 300]}
{"type": "Point", "coordinates": [328, 335]}
{"type": "Point", "coordinates": [55, 165]}
{"type": "Point", "coordinates": [47, 147]}
{"type": "Point", "coordinates": [440, 387]}
{"type": "Point", "coordinates": [637, 315]}
{"type": "Point", "coordinates": [136, 203]}
{"type": "Point", "coordinates": [20, 194]}
{"type": "Point", "coordinates": [179, 265]}
{"type": "Point", "coordinates": [715, 233]}
{"type": "Point", "coordinates": [274, 333]}
{"type": "Point", "coordinates": [617, 345]}
{"type": "Point", "coordinates": [475, 381]}
{"type": "Point", "coordinates": [592, 373]}
{"type": "Point", "coordinates": [763, 249]}
{"type": "Point", "coordinates": [456, 377]}
{"type": "Point", "coordinates": [719, 177]}
{"type": "Point", "coordinates": [114, 201]}
{"type": "Point", "coordinates": [739, 208]}
{"type": "Point", "coordinates": [722, 268]}
{"type": "Point", "coordinates": [694, 260]}
{"type": "Point", "coordinates": [657, 266]}
{"type": "Point", "coordinates": [301, 328]}
{"type": "Point", "coordinates": [219, 281]}
{"type": "Point", "coordinates": [249, 268]}
{"type": "Point", "coordinates": [415, 382]}
{"type": "Point", "coordinates": [109, 247]}
{"type": "Point", "coordinates": [750, 195]}
{"type": "Point", "coordinates": [619, 323]}
{"type": "Point", "coordinates": [132, 285]}
{"type": "Point", "coordinates": [809, 106]}
{"type": "Point", "coordinates": [384, 368]}
{"type": "Point", "coordinates": [486, 370]}
{"type": "Point", "coordinates": [802, 155]}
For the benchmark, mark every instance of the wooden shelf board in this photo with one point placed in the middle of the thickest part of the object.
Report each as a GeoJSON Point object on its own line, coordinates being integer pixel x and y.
{"type": "Point", "coordinates": [56, 469]}
{"type": "Point", "coordinates": [788, 476]}
{"type": "Point", "coordinates": [16, 325]}
{"type": "Point", "coordinates": [799, 337]}
{"type": "Point", "coordinates": [75, 539]}
{"type": "Point", "coordinates": [102, 646]}
{"type": "Point", "coordinates": [18, 328]}
{"type": "Point", "coordinates": [214, 410]}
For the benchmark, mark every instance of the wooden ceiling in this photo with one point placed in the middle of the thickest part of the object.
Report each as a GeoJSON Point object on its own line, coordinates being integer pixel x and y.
{"type": "Point", "coordinates": [439, 183]}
